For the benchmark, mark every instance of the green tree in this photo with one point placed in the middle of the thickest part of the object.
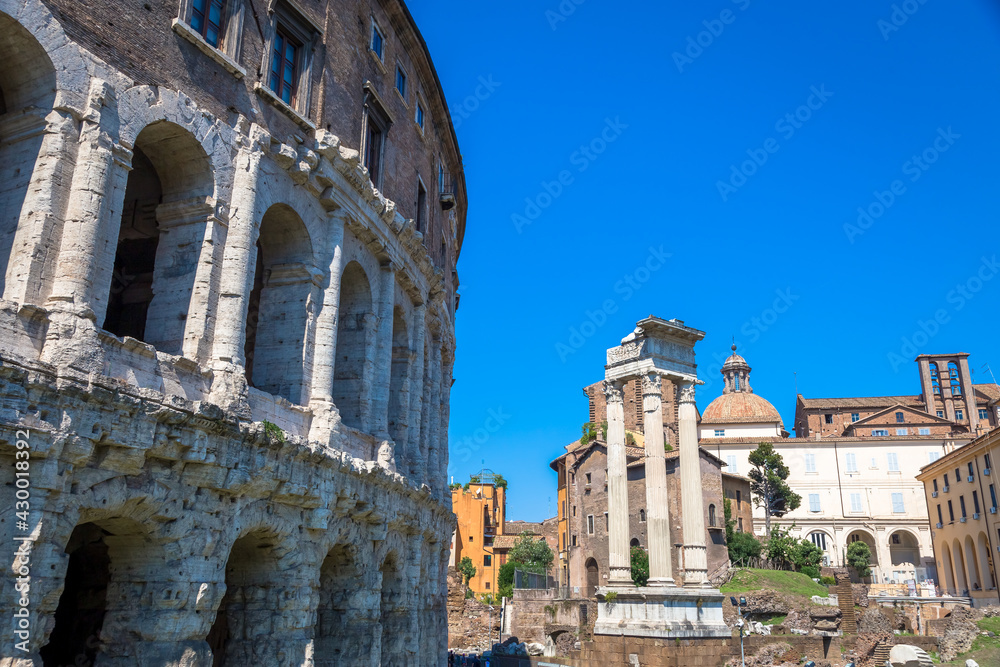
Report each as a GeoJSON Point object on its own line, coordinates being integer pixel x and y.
{"type": "Point", "coordinates": [589, 433]}
{"type": "Point", "coordinates": [743, 547]}
{"type": "Point", "coordinates": [768, 484]}
{"type": "Point", "coordinates": [467, 569]}
{"type": "Point", "coordinates": [498, 481]}
{"type": "Point", "coordinates": [727, 512]}
{"type": "Point", "coordinates": [640, 566]}
{"type": "Point", "coordinates": [780, 548]}
{"type": "Point", "coordinates": [859, 556]}
{"type": "Point", "coordinates": [805, 555]}
{"type": "Point", "coordinates": [505, 580]}
{"type": "Point", "coordinates": [532, 555]}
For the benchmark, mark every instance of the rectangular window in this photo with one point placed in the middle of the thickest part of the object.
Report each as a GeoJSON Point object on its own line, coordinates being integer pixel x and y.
{"type": "Point", "coordinates": [897, 504]}
{"type": "Point", "coordinates": [285, 66]}
{"type": "Point", "coordinates": [487, 560]}
{"type": "Point", "coordinates": [899, 417]}
{"type": "Point", "coordinates": [940, 518]}
{"type": "Point", "coordinates": [418, 117]}
{"type": "Point", "coordinates": [574, 510]}
{"type": "Point", "coordinates": [852, 463]}
{"type": "Point", "coordinates": [934, 482]}
{"type": "Point", "coordinates": [902, 431]}
{"type": "Point", "coordinates": [984, 414]}
{"type": "Point", "coordinates": [959, 414]}
{"type": "Point", "coordinates": [972, 472]}
{"type": "Point", "coordinates": [946, 485]}
{"type": "Point", "coordinates": [986, 460]}
{"type": "Point", "coordinates": [373, 152]}
{"type": "Point", "coordinates": [814, 502]}
{"type": "Point", "coordinates": [951, 512]}
{"type": "Point", "coordinates": [739, 498]}
{"type": "Point", "coordinates": [574, 540]}
{"type": "Point", "coordinates": [739, 525]}
{"type": "Point", "coordinates": [993, 495]}
{"type": "Point", "coordinates": [856, 507]}
{"type": "Point", "coordinates": [207, 18]}
{"type": "Point", "coordinates": [810, 462]}
{"type": "Point", "coordinates": [828, 418]}
{"type": "Point", "coordinates": [590, 524]}
{"type": "Point", "coordinates": [961, 504]}
{"type": "Point", "coordinates": [720, 432]}
{"type": "Point", "coordinates": [731, 464]}
{"type": "Point", "coordinates": [401, 81]}
{"type": "Point", "coordinates": [927, 431]}
{"type": "Point", "coordinates": [879, 432]}
{"type": "Point", "coordinates": [855, 416]}
{"type": "Point", "coordinates": [893, 461]}
{"type": "Point", "coordinates": [378, 41]}
{"type": "Point", "coordinates": [975, 502]}
{"type": "Point", "coordinates": [588, 478]}
{"type": "Point", "coordinates": [958, 475]}
{"type": "Point", "coordinates": [421, 217]}
{"type": "Point", "coordinates": [940, 413]}
{"type": "Point", "coordinates": [606, 525]}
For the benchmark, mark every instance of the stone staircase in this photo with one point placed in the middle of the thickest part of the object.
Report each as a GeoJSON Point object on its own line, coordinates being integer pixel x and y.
{"type": "Point", "coordinates": [845, 600]}
{"type": "Point", "coordinates": [881, 654]}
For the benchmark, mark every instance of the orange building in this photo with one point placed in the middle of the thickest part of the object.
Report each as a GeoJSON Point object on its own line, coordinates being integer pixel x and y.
{"type": "Point", "coordinates": [481, 512]}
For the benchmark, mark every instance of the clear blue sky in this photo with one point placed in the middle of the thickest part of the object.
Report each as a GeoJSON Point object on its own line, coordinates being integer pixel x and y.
{"type": "Point", "coordinates": [673, 127]}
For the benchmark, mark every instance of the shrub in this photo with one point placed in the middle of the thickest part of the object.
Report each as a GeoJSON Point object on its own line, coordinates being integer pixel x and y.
{"type": "Point", "coordinates": [640, 566]}
{"type": "Point", "coordinates": [810, 571]}
{"type": "Point", "coordinates": [467, 569]}
{"type": "Point", "coordinates": [859, 556]}
{"type": "Point", "coordinates": [828, 581]}
{"type": "Point", "coordinates": [743, 547]}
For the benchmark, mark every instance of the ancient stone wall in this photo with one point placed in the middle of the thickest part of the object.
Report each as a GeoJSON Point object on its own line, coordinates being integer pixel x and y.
{"type": "Point", "coordinates": [227, 354]}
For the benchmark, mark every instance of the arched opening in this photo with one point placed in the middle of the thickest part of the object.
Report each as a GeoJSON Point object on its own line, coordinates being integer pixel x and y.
{"type": "Point", "coordinates": [935, 380]}
{"type": "Point", "coordinates": [986, 561]}
{"type": "Point", "coordinates": [593, 577]}
{"type": "Point", "coordinates": [251, 571]}
{"type": "Point", "coordinates": [344, 622]}
{"type": "Point", "coordinates": [27, 92]}
{"type": "Point", "coordinates": [948, 569]}
{"type": "Point", "coordinates": [395, 630]}
{"type": "Point", "coordinates": [642, 515]}
{"type": "Point", "coordinates": [972, 562]}
{"type": "Point", "coordinates": [711, 516]}
{"type": "Point", "coordinates": [904, 548]}
{"type": "Point", "coordinates": [354, 366]}
{"type": "Point", "coordinates": [279, 304]}
{"type": "Point", "coordinates": [633, 543]}
{"type": "Point", "coordinates": [956, 386]}
{"type": "Point", "coordinates": [961, 580]}
{"type": "Point", "coordinates": [108, 559]}
{"type": "Point", "coordinates": [864, 536]}
{"type": "Point", "coordinates": [160, 237]}
{"type": "Point", "coordinates": [399, 381]}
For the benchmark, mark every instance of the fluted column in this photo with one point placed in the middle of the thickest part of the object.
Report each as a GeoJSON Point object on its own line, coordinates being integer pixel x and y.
{"type": "Point", "coordinates": [692, 498]}
{"type": "Point", "coordinates": [657, 512]}
{"type": "Point", "coordinates": [383, 359]}
{"type": "Point", "coordinates": [618, 551]}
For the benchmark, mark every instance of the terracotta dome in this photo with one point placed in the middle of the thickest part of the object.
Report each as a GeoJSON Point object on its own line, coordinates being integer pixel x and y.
{"type": "Point", "coordinates": [740, 407]}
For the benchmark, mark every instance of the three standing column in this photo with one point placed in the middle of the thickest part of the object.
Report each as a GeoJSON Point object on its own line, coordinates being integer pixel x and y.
{"type": "Point", "coordinates": [657, 511]}
{"type": "Point", "coordinates": [695, 551]}
{"type": "Point", "coordinates": [618, 552]}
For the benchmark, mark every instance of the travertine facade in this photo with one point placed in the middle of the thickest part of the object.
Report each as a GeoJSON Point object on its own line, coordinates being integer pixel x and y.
{"type": "Point", "coordinates": [226, 333]}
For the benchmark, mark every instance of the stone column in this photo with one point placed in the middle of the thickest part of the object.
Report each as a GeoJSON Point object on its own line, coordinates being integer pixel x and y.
{"type": "Point", "coordinates": [324, 359]}
{"type": "Point", "coordinates": [383, 351]}
{"type": "Point", "coordinates": [414, 462]}
{"type": "Point", "coordinates": [657, 512]}
{"type": "Point", "coordinates": [619, 561]}
{"type": "Point", "coordinates": [692, 498]}
{"type": "Point", "coordinates": [434, 414]}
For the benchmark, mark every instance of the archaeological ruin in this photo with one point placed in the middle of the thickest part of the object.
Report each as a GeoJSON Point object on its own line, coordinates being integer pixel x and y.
{"type": "Point", "coordinates": [228, 237]}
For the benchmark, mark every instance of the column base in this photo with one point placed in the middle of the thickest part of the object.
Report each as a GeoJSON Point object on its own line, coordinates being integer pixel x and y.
{"type": "Point", "coordinates": [620, 577]}
{"type": "Point", "coordinates": [646, 611]}
{"type": "Point", "coordinates": [661, 582]}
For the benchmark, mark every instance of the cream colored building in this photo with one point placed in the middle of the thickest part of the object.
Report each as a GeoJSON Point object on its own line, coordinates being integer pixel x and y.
{"type": "Point", "coordinates": [857, 484]}
{"type": "Point", "coordinates": [961, 490]}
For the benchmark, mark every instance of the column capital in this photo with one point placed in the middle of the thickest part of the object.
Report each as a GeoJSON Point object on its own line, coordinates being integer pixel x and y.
{"type": "Point", "coordinates": [613, 391]}
{"type": "Point", "coordinates": [652, 383]}
{"type": "Point", "coordinates": [688, 392]}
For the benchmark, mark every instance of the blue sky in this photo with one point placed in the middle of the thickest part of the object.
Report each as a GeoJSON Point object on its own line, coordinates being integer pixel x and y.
{"type": "Point", "coordinates": [617, 168]}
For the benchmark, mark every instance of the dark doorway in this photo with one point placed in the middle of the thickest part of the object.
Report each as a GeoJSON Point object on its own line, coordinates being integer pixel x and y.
{"type": "Point", "coordinates": [593, 578]}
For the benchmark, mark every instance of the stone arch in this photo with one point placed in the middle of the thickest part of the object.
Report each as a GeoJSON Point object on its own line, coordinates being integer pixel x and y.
{"type": "Point", "coordinates": [904, 547]}
{"type": "Point", "coordinates": [972, 563]}
{"type": "Point", "coordinates": [165, 213]}
{"type": "Point", "coordinates": [825, 541]}
{"type": "Point", "coordinates": [634, 542]}
{"type": "Point", "coordinates": [961, 578]}
{"type": "Point", "coordinates": [986, 561]}
{"type": "Point", "coordinates": [593, 577]}
{"type": "Point", "coordinates": [354, 367]}
{"type": "Point", "coordinates": [392, 610]}
{"type": "Point", "coordinates": [860, 534]}
{"type": "Point", "coordinates": [279, 309]}
{"type": "Point", "coordinates": [112, 561]}
{"type": "Point", "coordinates": [27, 94]}
{"type": "Point", "coordinates": [948, 569]}
{"type": "Point", "coordinates": [399, 380]}
{"type": "Point", "coordinates": [346, 618]}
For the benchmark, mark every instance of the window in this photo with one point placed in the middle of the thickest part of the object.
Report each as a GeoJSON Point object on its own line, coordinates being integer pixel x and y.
{"type": "Point", "coordinates": [720, 432]}
{"type": "Point", "coordinates": [590, 524]}
{"type": "Point", "coordinates": [376, 127]}
{"type": "Point", "coordinates": [855, 416]}
{"type": "Point", "coordinates": [899, 417]}
{"type": "Point", "coordinates": [418, 117]}
{"type": "Point", "coordinates": [893, 461]}
{"type": "Point", "coordinates": [731, 463]}
{"type": "Point", "coordinates": [896, 539]}
{"type": "Point", "coordinates": [208, 18]}
{"type": "Point", "coordinates": [951, 512]}
{"type": "Point", "coordinates": [739, 524]}
{"type": "Point", "coordinates": [935, 382]}
{"type": "Point", "coordinates": [378, 41]}
{"type": "Point", "coordinates": [606, 524]}
{"type": "Point", "coordinates": [810, 462]}
{"type": "Point", "coordinates": [961, 504]}
{"type": "Point", "coordinates": [880, 432]}
{"type": "Point", "coordinates": [574, 510]}
{"type": "Point", "coordinates": [487, 560]}
{"type": "Point", "coordinates": [902, 431]}
{"type": "Point", "coordinates": [934, 482]}
{"type": "Point", "coordinates": [972, 471]}
{"type": "Point", "coordinates": [986, 460]}
{"type": "Point", "coordinates": [819, 539]}
{"type": "Point", "coordinates": [487, 583]}
{"type": "Point", "coordinates": [897, 504]}
{"type": "Point", "coordinates": [993, 495]}
{"type": "Point", "coordinates": [401, 82]}
{"type": "Point", "coordinates": [828, 418]}
{"type": "Point", "coordinates": [940, 518]}
{"type": "Point", "coordinates": [984, 414]}
{"type": "Point", "coordinates": [856, 507]}
{"type": "Point", "coordinates": [588, 478]}
{"type": "Point", "coordinates": [421, 216]}
{"type": "Point", "coordinates": [958, 475]}
{"type": "Point", "coordinates": [642, 515]}
{"type": "Point", "coordinates": [284, 66]}
{"type": "Point", "coordinates": [975, 502]}
{"type": "Point", "coordinates": [852, 463]}
{"type": "Point", "coordinates": [739, 498]}
{"type": "Point", "coordinates": [736, 382]}
{"type": "Point", "coordinates": [927, 431]}
{"type": "Point", "coordinates": [814, 502]}
{"type": "Point", "coordinates": [956, 387]}
{"type": "Point", "coordinates": [470, 538]}
{"type": "Point", "coordinates": [711, 516]}
{"type": "Point", "coordinates": [574, 540]}
{"type": "Point", "coordinates": [940, 413]}
{"type": "Point", "coordinates": [289, 61]}
{"type": "Point", "coordinates": [959, 415]}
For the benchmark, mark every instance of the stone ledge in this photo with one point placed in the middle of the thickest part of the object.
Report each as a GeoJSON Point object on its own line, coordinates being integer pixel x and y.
{"type": "Point", "coordinates": [230, 65]}
{"type": "Point", "coordinates": [284, 107]}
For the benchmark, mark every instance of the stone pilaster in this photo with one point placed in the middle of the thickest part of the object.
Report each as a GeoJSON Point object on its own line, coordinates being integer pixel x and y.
{"type": "Point", "coordinates": [619, 561]}
{"type": "Point", "coordinates": [324, 355]}
{"type": "Point", "coordinates": [434, 415]}
{"type": "Point", "coordinates": [657, 512]}
{"type": "Point", "coordinates": [383, 351]}
{"type": "Point", "coordinates": [692, 499]}
{"type": "Point", "coordinates": [415, 466]}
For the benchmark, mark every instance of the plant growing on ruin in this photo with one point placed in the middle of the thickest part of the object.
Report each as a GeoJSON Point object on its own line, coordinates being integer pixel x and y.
{"type": "Point", "coordinates": [640, 566]}
{"type": "Point", "coordinates": [589, 433]}
{"type": "Point", "coordinates": [467, 569]}
{"type": "Point", "coordinates": [768, 484]}
{"type": "Point", "coordinates": [505, 580]}
{"type": "Point", "coordinates": [273, 432]}
{"type": "Point", "coordinates": [629, 439]}
{"type": "Point", "coordinates": [727, 512]}
{"type": "Point", "coordinates": [604, 430]}
{"type": "Point", "coordinates": [859, 556]}
{"type": "Point", "coordinates": [610, 597]}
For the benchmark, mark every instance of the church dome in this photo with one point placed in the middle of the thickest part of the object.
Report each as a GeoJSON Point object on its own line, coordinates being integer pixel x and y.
{"type": "Point", "coordinates": [740, 407]}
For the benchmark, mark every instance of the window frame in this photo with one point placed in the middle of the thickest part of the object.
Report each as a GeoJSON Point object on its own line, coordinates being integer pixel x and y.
{"type": "Point", "coordinates": [810, 462]}
{"type": "Point", "coordinates": [286, 18]}
{"type": "Point", "coordinates": [376, 115]}
{"type": "Point", "coordinates": [377, 29]}
{"type": "Point", "coordinates": [850, 463]}
{"type": "Point", "coordinates": [860, 508]}
{"type": "Point", "coordinates": [720, 432]}
{"type": "Point", "coordinates": [401, 72]}
{"type": "Point", "coordinates": [287, 39]}
{"type": "Point", "coordinates": [816, 506]}
{"type": "Point", "coordinates": [959, 414]}
{"type": "Point", "coordinates": [899, 508]}
{"type": "Point", "coordinates": [892, 462]}
{"type": "Point", "coordinates": [227, 53]}
{"type": "Point", "coordinates": [590, 524]}
{"type": "Point", "coordinates": [855, 416]}
{"type": "Point", "coordinates": [420, 114]}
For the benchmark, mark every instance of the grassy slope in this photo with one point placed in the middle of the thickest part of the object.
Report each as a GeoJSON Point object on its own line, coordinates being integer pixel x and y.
{"type": "Point", "coordinates": [985, 650]}
{"type": "Point", "coordinates": [792, 583]}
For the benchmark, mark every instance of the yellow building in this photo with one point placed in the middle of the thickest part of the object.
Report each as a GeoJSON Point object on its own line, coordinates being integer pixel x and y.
{"type": "Point", "coordinates": [962, 488]}
{"type": "Point", "coordinates": [481, 512]}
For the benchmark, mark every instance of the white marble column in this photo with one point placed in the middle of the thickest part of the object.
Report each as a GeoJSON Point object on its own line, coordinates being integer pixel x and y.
{"type": "Point", "coordinates": [383, 347]}
{"type": "Point", "coordinates": [657, 511]}
{"type": "Point", "coordinates": [619, 560]}
{"type": "Point", "coordinates": [692, 498]}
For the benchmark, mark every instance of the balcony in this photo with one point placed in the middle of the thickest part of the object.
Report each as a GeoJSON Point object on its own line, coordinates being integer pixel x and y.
{"type": "Point", "coordinates": [447, 190]}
